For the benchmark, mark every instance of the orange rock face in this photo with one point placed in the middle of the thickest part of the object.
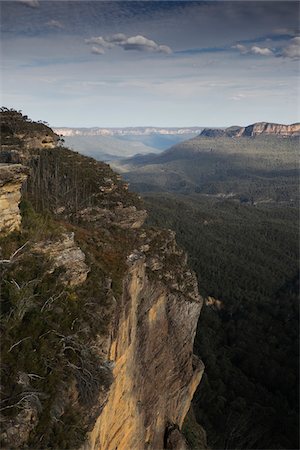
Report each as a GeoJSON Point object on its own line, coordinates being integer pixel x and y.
{"type": "Point", "coordinates": [155, 372]}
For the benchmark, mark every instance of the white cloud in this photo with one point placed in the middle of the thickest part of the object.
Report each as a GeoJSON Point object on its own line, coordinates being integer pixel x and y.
{"type": "Point", "coordinates": [31, 3]}
{"type": "Point", "coordinates": [118, 38]}
{"type": "Point", "coordinates": [263, 51]}
{"type": "Point", "coordinates": [292, 50]}
{"type": "Point", "coordinates": [55, 24]}
{"type": "Point", "coordinates": [99, 41]}
{"type": "Point", "coordinates": [237, 97]}
{"type": "Point", "coordinates": [254, 50]}
{"type": "Point", "coordinates": [241, 48]}
{"type": "Point", "coordinates": [97, 50]}
{"type": "Point", "coordinates": [139, 43]}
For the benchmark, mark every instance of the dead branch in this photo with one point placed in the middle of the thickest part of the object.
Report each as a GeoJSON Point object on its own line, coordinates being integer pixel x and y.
{"type": "Point", "coordinates": [10, 260]}
{"type": "Point", "coordinates": [17, 343]}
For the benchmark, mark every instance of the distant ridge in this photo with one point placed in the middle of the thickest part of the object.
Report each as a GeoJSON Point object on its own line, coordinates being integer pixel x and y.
{"type": "Point", "coordinates": [253, 130]}
{"type": "Point", "coordinates": [136, 131]}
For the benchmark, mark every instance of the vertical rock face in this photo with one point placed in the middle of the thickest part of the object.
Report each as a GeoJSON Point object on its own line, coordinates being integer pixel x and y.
{"type": "Point", "coordinates": [12, 177]}
{"type": "Point", "coordinates": [155, 372]}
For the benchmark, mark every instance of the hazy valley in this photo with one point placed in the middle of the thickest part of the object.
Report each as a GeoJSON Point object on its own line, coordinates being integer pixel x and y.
{"type": "Point", "coordinates": [110, 144]}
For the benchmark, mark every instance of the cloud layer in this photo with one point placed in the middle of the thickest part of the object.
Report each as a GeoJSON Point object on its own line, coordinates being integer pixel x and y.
{"type": "Point", "coordinates": [291, 49]}
{"type": "Point", "coordinates": [138, 42]}
{"type": "Point", "coordinates": [124, 76]}
{"type": "Point", "coordinates": [254, 50]}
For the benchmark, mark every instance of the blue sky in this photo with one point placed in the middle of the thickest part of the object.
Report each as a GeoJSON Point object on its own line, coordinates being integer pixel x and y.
{"type": "Point", "coordinates": [96, 63]}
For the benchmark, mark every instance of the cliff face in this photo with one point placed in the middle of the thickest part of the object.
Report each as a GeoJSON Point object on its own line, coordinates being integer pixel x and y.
{"type": "Point", "coordinates": [11, 179]}
{"type": "Point", "coordinates": [100, 313]}
{"type": "Point", "coordinates": [271, 128]}
{"type": "Point", "coordinates": [255, 129]}
{"type": "Point", "coordinates": [155, 372]}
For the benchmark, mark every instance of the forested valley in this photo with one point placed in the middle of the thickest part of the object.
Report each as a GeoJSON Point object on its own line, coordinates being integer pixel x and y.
{"type": "Point", "coordinates": [246, 262]}
{"type": "Point", "coordinates": [245, 253]}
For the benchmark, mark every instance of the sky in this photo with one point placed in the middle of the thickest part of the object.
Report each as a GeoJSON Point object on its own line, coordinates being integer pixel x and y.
{"type": "Point", "coordinates": [151, 63]}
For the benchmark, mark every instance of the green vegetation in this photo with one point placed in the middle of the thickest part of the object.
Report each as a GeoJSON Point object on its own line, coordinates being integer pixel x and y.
{"type": "Point", "coordinates": [233, 204]}
{"type": "Point", "coordinates": [246, 257]}
{"type": "Point", "coordinates": [51, 364]}
{"type": "Point", "coordinates": [47, 333]}
{"type": "Point", "coordinates": [14, 125]}
{"type": "Point", "coordinates": [193, 432]}
{"type": "Point", "coordinates": [250, 170]}
{"type": "Point", "coordinates": [62, 178]}
{"type": "Point", "coordinates": [243, 249]}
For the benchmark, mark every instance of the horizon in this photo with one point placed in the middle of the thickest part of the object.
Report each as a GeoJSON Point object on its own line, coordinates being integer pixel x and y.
{"type": "Point", "coordinates": [124, 64]}
{"type": "Point", "coordinates": [170, 127]}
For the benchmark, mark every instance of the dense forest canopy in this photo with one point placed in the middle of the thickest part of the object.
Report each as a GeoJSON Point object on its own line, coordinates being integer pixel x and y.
{"type": "Point", "coordinates": [246, 258]}
{"type": "Point", "coordinates": [233, 205]}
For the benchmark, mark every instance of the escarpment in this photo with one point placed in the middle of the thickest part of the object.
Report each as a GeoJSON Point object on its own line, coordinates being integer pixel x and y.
{"type": "Point", "coordinates": [256, 129]}
{"type": "Point", "coordinates": [99, 312]}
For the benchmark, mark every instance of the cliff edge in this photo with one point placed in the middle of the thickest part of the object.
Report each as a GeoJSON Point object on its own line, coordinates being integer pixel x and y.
{"type": "Point", "coordinates": [99, 310]}
{"type": "Point", "coordinates": [256, 129]}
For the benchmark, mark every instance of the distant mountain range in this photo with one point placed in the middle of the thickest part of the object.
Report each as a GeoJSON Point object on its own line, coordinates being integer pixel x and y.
{"type": "Point", "coordinates": [128, 131]}
{"type": "Point", "coordinates": [255, 163]}
{"type": "Point", "coordinates": [110, 144]}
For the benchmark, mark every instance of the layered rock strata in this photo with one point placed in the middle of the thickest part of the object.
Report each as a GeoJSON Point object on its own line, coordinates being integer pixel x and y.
{"type": "Point", "coordinates": [256, 129]}
{"type": "Point", "coordinates": [12, 176]}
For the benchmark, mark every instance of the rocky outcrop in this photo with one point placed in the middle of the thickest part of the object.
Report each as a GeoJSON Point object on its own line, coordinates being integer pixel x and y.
{"type": "Point", "coordinates": [39, 140]}
{"type": "Point", "coordinates": [253, 130]}
{"type": "Point", "coordinates": [271, 128]}
{"type": "Point", "coordinates": [119, 216]}
{"type": "Point", "coordinates": [66, 255]}
{"type": "Point", "coordinates": [155, 372]}
{"type": "Point", "coordinates": [12, 176]}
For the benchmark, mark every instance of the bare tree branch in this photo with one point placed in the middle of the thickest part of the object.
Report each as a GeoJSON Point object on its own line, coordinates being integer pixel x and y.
{"type": "Point", "coordinates": [10, 260]}
{"type": "Point", "coordinates": [17, 343]}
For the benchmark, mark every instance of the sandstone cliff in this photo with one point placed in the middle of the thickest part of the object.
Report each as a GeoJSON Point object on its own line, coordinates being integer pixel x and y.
{"type": "Point", "coordinates": [155, 373]}
{"type": "Point", "coordinates": [11, 179]}
{"type": "Point", "coordinates": [100, 313]}
{"type": "Point", "coordinates": [256, 129]}
{"type": "Point", "coordinates": [19, 134]}
{"type": "Point", "coordinates": [270, 128]}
